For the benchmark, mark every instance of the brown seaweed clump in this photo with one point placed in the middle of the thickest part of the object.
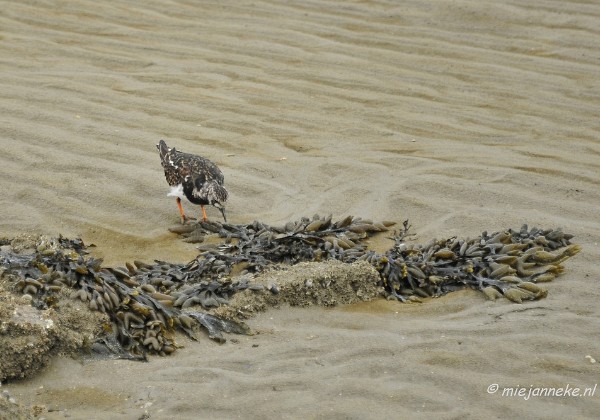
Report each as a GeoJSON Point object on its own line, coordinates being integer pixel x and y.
{"type": "Point", "coordinates": [254, 266]}
{"type": "Point", "coordinates": [509, 263]}
{"type": "Point", "coordinates": [137, 318]}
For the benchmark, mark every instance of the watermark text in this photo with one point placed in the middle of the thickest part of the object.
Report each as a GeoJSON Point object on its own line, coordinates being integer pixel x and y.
{"type": "Point", "coordinates": [531, 391]}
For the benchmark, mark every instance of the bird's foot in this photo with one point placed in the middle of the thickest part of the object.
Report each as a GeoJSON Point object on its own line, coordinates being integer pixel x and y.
{"type": "Point", "coordinates": [185, 219]}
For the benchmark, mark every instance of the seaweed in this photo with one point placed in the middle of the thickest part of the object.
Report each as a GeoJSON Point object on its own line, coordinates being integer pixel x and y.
{"type": "Point", "coordinates": [147, 303]}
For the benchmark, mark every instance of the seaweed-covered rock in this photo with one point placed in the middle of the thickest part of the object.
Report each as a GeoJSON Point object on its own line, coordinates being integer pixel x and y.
{"type": "Point", "coordinates": [30, 337]}
{"type": "Point", "coordinates": [304, 284]}
{"type": "Point", "coordinates": [26, 338]}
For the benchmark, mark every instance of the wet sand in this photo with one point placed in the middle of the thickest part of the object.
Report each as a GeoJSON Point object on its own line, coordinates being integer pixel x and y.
{"type": "Point", "coordinates": [461, 117]}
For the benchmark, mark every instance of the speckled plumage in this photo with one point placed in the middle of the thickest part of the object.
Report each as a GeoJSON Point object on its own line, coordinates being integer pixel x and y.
{"type": "Point", "coordinates": [199, 179]}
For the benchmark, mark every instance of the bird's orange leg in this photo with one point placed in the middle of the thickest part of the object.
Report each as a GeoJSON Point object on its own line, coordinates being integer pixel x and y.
{"type": "Point", "coordinates": [183, 217]}
{"type": "Point", "coordinates": [204, 217]}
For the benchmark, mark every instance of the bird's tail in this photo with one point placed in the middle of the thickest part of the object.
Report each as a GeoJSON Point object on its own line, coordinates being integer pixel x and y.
{"type": "Point", "coordinates": [163, 149]}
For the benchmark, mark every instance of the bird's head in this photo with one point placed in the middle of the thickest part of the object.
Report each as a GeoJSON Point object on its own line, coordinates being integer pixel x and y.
{"type": "Point", "coordinates": [219, 196]}
{"type": "Point", "coordinates": [221, 209]}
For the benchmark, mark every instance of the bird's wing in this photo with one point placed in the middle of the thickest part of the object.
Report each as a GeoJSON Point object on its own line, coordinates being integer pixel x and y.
{"type": "Point", "coordinates": [199, 181]}
{"type": "Point", "coordinates": [215, 173]}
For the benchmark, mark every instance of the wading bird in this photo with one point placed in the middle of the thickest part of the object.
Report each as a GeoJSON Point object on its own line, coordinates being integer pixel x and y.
{"type": "Point", "coordinates": [194, 177]}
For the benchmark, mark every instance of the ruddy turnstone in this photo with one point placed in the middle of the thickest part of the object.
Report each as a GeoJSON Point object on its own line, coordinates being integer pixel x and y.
{"type": "Point", "coordinates": [194, 177]}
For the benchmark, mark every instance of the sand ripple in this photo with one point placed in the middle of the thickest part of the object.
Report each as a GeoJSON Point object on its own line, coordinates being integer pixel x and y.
{"type": "Point", "coordinates": [461, 116]}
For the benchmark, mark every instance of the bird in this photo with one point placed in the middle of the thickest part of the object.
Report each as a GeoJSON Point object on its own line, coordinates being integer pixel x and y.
{"type": "Point", "coordinates": [194, 177]}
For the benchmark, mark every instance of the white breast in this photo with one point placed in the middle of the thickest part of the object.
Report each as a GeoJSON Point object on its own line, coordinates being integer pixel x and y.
{"type": "Point", "coordinates": [176, 191]}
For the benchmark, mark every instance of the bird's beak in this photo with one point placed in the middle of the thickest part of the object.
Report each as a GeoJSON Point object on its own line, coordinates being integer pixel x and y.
{"type": "Point", "coordinates": [223, 213]}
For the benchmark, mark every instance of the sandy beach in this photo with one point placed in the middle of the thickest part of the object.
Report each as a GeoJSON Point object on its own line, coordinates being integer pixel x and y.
{"type": "Point", "coordinates": [462, 117]}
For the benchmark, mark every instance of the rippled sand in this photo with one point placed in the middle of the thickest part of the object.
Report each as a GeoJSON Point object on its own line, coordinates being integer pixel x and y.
{"type": "Point", "coordinates": [460, 116]}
